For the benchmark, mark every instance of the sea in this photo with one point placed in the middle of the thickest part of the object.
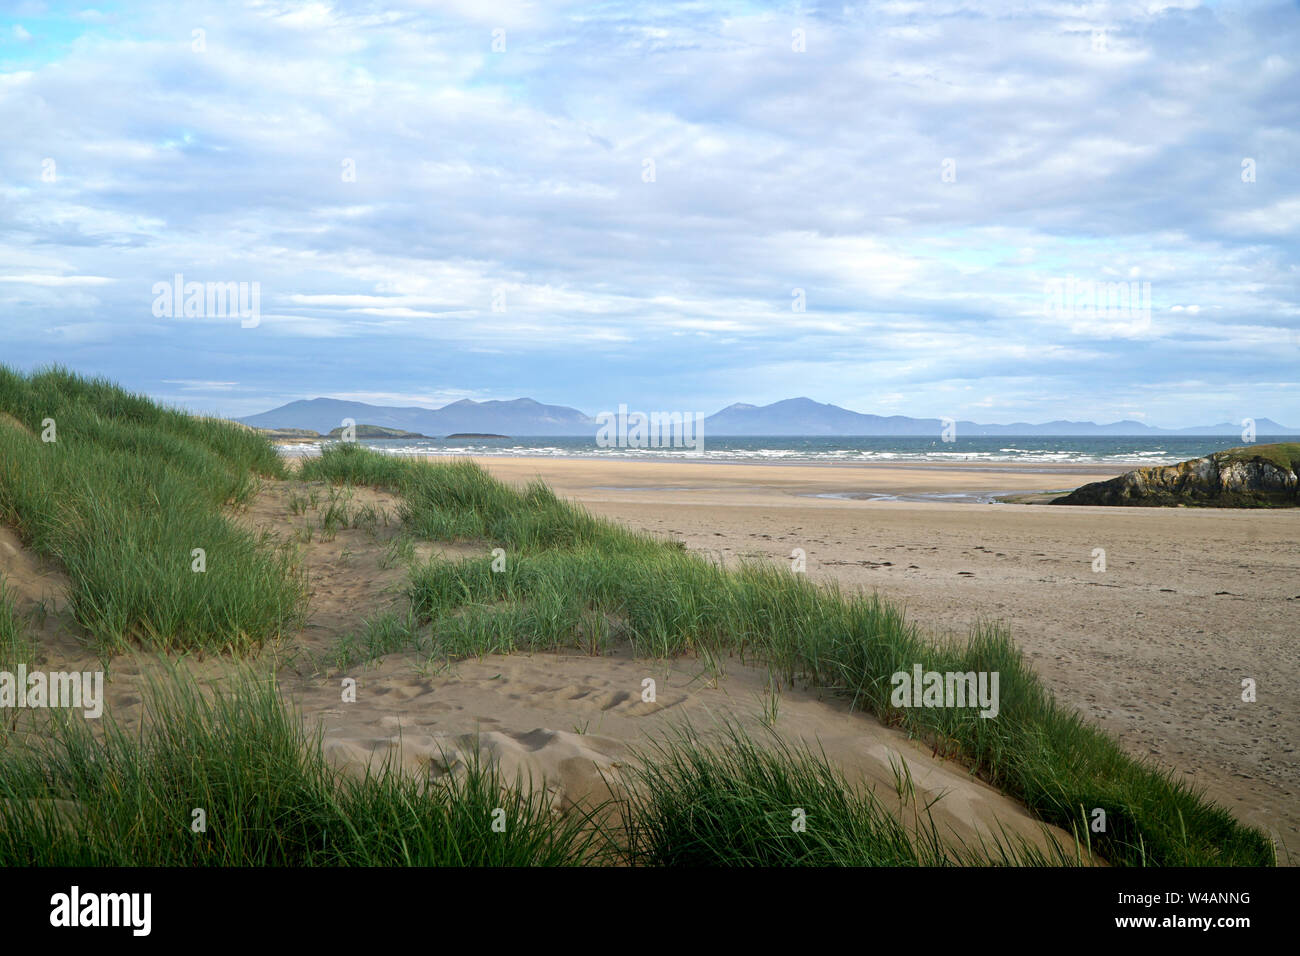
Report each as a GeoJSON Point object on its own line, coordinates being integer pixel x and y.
{"type": "Point", "coordinates": [994, 450]}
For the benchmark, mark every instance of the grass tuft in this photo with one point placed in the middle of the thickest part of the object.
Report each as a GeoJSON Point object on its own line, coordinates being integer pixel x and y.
{"type": "Point", "coordinates": [16, 647]}
{"type": "Point", "coordinates": [736, 803]}
{"type": "Point", "coordinates": [74, 796]}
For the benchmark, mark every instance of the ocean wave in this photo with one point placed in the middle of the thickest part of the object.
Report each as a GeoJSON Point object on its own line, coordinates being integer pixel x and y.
{"type": "Point", "coordinates": [802, 451]}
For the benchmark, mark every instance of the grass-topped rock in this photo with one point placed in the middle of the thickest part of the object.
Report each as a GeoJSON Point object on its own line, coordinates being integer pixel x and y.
{"type": "Point", "coordinates": [1258, 476]}
{"type": "Point", "coordinates": [374, 431]}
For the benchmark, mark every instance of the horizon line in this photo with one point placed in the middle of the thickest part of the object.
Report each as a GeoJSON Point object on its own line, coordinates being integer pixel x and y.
{"type": "Point", "coordinates": [1286, 430]}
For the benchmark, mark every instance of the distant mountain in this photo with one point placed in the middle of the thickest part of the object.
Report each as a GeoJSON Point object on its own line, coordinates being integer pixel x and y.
{"type": "Point", "coordinates": [805, 417]}
{"type": "Point", "coordinates": [1263, 426]}
{"type": "Point", "coordinates": [793, 416]}
{"type": "Point", "coordinates": [523, 416]}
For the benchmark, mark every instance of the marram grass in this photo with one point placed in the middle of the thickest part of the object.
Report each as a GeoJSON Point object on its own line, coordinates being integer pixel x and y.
{"type": "Point", "coordinates": [734, 802]}
{"type": "Point", "coordinates": [73, 794]}
{"type": "Point", "coordinates": [123, 497]}
{"type": "Point", "coordinates": [229, 777]}
{"type": "Point", "coordinates": [16, 647]}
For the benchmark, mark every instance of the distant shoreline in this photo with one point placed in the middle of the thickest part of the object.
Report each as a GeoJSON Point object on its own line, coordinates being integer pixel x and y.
{"type": "Point", "coordinates": [1044, 468]}
{"type": "Point", "coordinates": [1087, 457]}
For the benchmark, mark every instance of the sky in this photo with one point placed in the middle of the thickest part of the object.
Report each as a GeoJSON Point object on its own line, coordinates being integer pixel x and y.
{"type": "Point", "coordinates": [892, 207]}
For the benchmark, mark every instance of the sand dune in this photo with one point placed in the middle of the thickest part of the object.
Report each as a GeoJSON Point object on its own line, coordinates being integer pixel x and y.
{"type": "Point", "coordinates": [1152, 649]}
{"type": "Point", "coordinates": [570, 721]}
{"type": "Point", "coordinates": [575, 719]}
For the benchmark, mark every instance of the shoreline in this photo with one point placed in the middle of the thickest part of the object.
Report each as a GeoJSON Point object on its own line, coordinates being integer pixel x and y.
{"type": "Point", "coordinates": [817, 484]}
{"type": "Point", "coordinates": [1091, 470]}
{"type": "Point", "coordinates": [1111, 467]}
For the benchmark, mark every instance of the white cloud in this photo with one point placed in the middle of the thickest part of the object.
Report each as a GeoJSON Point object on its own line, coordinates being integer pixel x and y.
{"type": "Point", "coordinates": [522, 171]}
{"type": "Point", "coordinates": [50, 280]}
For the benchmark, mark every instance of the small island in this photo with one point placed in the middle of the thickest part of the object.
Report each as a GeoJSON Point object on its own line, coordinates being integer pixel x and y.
{"type": "Point", "coordinates": [375, 431]}
{"type": "Point", "coordinates": [297, 436]}
{"type": "Point", "coordinates": [1258, 476]}
{"type": "Point", "coordinates": [289, 436]}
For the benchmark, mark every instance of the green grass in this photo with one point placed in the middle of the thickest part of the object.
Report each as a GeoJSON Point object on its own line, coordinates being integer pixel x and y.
{"type": "Point", "coordinates": [16, 647]}
{"type": "Point", "coordinates": [122, 499]}
{"type": "Point", "coordinates": [387, 633]}
{"type": "Point", "coordinates": [736, 803]}
{"type": "Point", "coordinates": [71, 795]}
{"type": "Point", "coordinates": [1282, 454]}
{"type": "Point", "coordinates": [76, 797]}
{"type": "Point", "coordinates": [458, 501]}
{"type": "Point", "coordinates": [572, 580]}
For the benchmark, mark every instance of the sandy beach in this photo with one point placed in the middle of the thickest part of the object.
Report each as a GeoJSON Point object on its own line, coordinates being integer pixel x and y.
{"type": "Point", "coordinates": [1153, 649]}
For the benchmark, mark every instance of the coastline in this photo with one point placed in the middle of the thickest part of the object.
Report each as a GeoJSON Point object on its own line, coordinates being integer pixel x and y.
{"type": "Point", "coordinates": [772, 482]}
{"type": "Point", "coordinates": [1047, 453]}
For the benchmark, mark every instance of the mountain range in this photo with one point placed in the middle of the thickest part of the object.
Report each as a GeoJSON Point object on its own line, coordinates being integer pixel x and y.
{"type": "Point", "coordinates": [524, 417]}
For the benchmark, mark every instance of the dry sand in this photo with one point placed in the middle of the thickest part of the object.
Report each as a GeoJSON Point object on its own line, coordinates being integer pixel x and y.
{"type": "Point", "coordinates": [575, 720]}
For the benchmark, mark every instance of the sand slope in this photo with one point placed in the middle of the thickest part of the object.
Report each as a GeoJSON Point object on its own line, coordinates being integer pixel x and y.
{"type": "Point", "coordinates": [573, 720]}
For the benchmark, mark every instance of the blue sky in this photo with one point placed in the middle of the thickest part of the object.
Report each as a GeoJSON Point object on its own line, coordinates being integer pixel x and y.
{"type": "Point", "coordinates": [1100, 141]}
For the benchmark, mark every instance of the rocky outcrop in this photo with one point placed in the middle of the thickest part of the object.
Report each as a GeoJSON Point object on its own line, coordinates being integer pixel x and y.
{"type": "Point", "coordinates": [301, 435]}
{"type": "Point", "coordinates": [375, 431]}
{"type": "Point", "coordinates": [1262, 476]}
{"type": "Point", "coordinates": [287, 433]}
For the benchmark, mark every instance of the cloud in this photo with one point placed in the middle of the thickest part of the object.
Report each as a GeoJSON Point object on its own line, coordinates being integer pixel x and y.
{"type": "Point", "coordinates": [205, 386]}
{"type": "Point", "coordinates": [414, 204]}
{"type": "Point", "coordinates": [58, 280]}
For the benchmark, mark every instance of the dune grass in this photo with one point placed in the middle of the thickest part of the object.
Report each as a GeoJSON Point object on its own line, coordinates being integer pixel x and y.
{"type": "Point", "coordinates": [1285, 455]}
{"type": "Point", "coordinates": [735, 802]}
{"type": "Point", "coordinates": [122, 498]}
{"type": "Point", "coordinates": [74, 795]}
{"type": "Point", "coordinates": [573, 580]}
{"type": "Point", "coordinates": [458, 501]}
{"type": "Point", "coordinates": [16, 647]}
{"type": "Point", "coordinates": [386, 633]}
{"type": "Point", "coordinates": [113, 796]}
